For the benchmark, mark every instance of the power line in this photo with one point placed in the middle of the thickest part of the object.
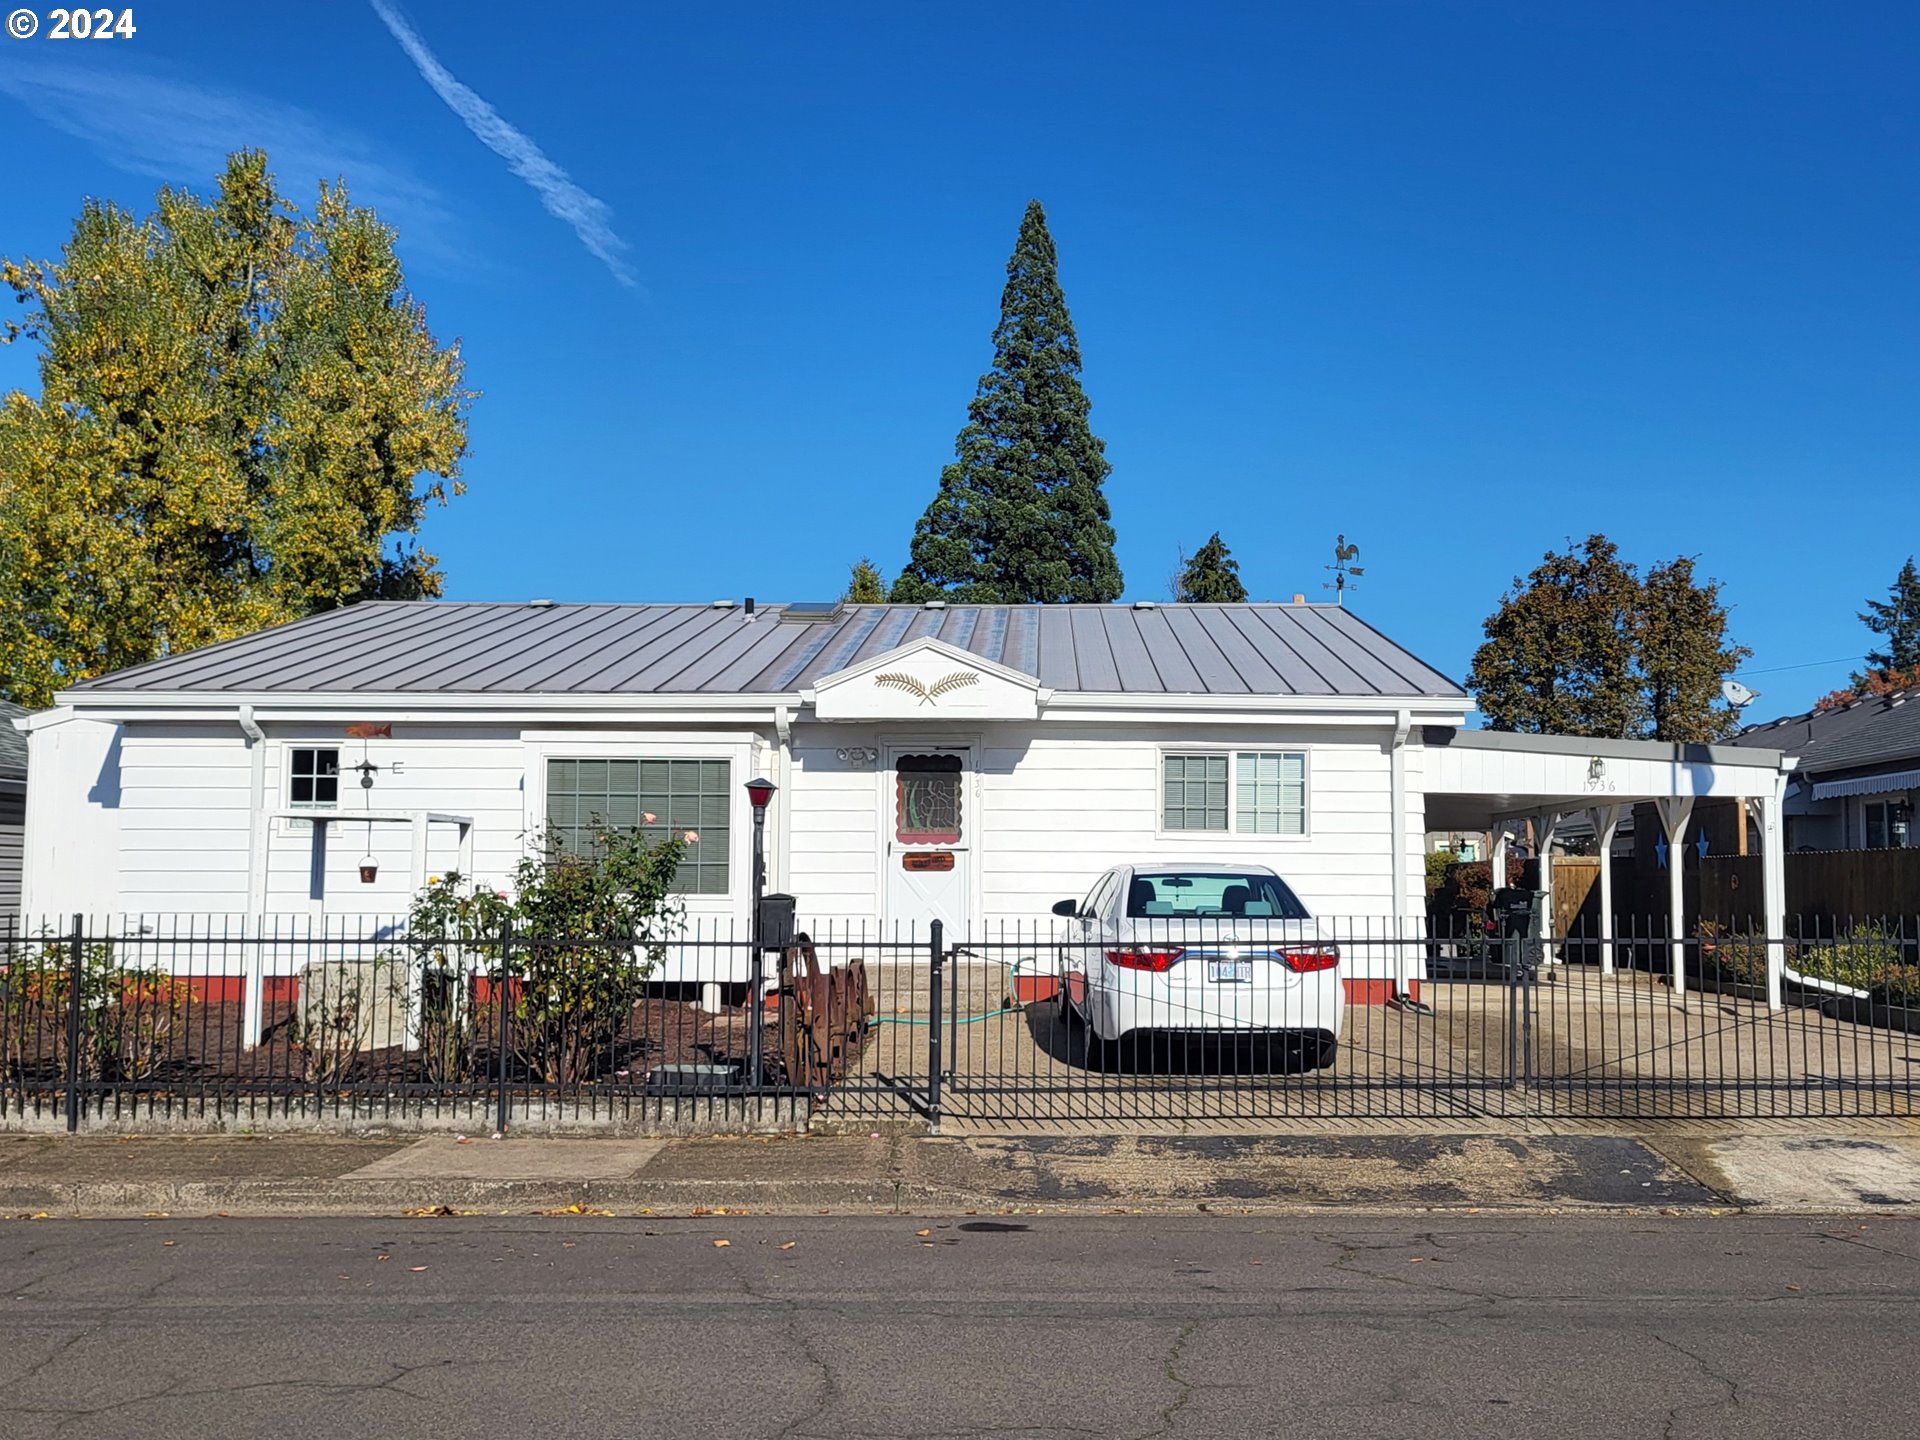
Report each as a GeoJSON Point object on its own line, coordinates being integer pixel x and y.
{"type": "Point", "coordinates": [1804, 665]}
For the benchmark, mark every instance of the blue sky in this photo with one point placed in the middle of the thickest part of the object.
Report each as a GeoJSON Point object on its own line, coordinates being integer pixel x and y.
{"type": "Point", "coordinates": [1459, 280]}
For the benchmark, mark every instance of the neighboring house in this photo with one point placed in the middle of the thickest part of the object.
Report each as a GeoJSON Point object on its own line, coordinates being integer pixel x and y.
{"type": "Point", "coordinates": [13, 811]}
{"type": "Point", "coordinates": [1858, 773]}
{"type": "Point", "coordinates": [966, 763]}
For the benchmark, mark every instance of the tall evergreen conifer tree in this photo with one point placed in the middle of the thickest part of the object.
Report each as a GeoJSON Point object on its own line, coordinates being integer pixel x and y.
{"type": "Point", "coordinates": [864, 585]}
{"type": "Point", "coordinates": [1210, 576]}
{"type": "Point", "coordinates": [1898, 618]}
{"type": "Point", "coordinates": [1020, 516]}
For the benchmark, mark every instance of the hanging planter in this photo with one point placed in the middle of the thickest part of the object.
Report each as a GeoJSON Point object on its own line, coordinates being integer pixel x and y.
{"type": "Point", "coordinates": [369, 870]}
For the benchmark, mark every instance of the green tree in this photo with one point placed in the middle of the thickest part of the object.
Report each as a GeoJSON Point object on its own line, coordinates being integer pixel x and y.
{"type": "Point", "coordinates": [864, 585]}
{"type": "Point", "coordinates": [1558, 657]}
{"type": "Point", "coordinates": [1680, 638]}
{"type": "Point", "coordinates": [1210, 576]}
{"type": "Point", "coordinates": [238, 407]}
{"type": "Point", "coordinates": [1898, 618]}
{"type": "Point", "coordinates": [1020, 516]}
{"type": "Point", "coordinates": [1584, 646]}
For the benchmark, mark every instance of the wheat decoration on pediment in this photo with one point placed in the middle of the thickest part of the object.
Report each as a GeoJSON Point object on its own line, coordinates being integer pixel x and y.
{"type": "Point", "coordinates": [946, 684]}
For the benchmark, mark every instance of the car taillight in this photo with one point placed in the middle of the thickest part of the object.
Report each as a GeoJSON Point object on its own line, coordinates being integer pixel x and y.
{"type": "Point", "coordinates": [1304, 962]}
{"type": "Point", "coordinates": [1145, 957]}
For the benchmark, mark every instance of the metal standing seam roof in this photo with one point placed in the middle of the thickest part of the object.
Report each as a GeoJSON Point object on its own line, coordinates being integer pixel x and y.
{"type": "Point", "coordinates": [467, 648]}
{"type": "Point", "coordinates": [13, 745]}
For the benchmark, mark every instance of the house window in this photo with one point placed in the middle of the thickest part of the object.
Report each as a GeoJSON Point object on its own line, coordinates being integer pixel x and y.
{"type": "Point", "coordinates": [1196, 792]}
{"type": "Point", "coordinates": [313, 778]}
{"type": "Point", "coordinates": [657, 798]}
{"type": "Point", "coordinates": [1271, 793]}
{"type": "Point", "coordinates": [1887, 824]}
{"type": "Point", "coordinates": [1267, 796]}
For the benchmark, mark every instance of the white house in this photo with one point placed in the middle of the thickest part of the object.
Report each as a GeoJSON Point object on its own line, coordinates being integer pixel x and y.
{"type": "Point", "coordinates": [967, 763]}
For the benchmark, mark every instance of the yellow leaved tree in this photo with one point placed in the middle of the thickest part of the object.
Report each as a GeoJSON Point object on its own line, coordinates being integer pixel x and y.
{"type": "Point", "coordinates": [242, 419]}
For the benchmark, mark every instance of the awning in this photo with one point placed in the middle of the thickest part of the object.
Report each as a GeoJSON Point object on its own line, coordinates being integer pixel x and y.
{"type": "Point", "coordinates": [1867, 785]}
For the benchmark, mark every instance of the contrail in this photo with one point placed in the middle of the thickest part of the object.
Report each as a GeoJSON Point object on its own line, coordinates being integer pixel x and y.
{"type": "Point", "coordinates": [564, 200]}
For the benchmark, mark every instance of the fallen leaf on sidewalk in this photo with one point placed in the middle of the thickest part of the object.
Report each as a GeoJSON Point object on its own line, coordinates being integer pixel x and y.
{"type": "Point", "coordinates": [383, 1257]}
{"type": "Point", "coordinates": [1794, 1288]}
{"type": "Point", "coordinates": [923, 1232]}
{"type": "Point", "coordinates": [568, 1244]}
{"type": "Point", "coordinates": [156, 1214]}
{"type": "Point", "coordinates": [169, 1242]}
{"type": "Point", "coordinates": [416, 1269]}
{"type": "Point", "coordinates": [421, 1212]}
{"type": "Point", "coordinates": [572, 1210]}
{"type": "Point", "coordinates": [788, 1244]}
{"type": "Point", "coordinates": [721, 1244]}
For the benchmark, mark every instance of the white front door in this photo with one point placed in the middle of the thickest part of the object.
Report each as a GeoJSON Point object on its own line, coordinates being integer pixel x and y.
{"type": "Point", "coordinates": [928, 825]}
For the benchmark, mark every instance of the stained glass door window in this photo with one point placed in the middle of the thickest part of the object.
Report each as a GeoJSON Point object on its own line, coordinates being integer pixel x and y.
{"type": "Point", "coordinates": [926, 799]}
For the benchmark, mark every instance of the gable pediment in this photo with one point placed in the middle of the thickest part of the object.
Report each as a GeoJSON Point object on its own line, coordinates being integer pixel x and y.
{"type": "Point", "coordinates": [927, 679]}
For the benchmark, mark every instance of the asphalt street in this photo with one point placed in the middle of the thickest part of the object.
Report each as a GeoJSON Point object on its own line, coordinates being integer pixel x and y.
{"type": "Point", "coordinates": [1688, 1325]}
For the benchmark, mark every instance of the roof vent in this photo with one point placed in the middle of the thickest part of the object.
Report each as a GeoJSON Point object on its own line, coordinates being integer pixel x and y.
{"type": "Point", "coordinates": [809, 612]}
{"type": "Point", "coordinates": [541, 604]}
{"type": "Point", "coordinates": [933, 605]}
{"type": "Point", "coordinates": [1143, 605]}
{"type": "Point", "coordinates": [723, 604]}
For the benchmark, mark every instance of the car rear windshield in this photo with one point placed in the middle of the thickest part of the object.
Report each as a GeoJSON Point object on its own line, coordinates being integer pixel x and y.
{"type": "Point", "coordinates": [1209, 894]}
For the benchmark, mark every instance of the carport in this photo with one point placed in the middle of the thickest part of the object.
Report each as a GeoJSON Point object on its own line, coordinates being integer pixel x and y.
{"type": "Point", "coordinates": [1491, 780]}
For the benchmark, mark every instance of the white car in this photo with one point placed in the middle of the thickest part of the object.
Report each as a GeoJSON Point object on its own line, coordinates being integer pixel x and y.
{"type": "Point", "coordinates": [1199, 951]}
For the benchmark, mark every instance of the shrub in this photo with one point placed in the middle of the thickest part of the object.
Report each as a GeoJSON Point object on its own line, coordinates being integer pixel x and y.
{"type": "Point", "coordinates": [1730, 954]}
{"type": "Point", "coordinates": [129, 1014]}
{"type": "Point", "coordinates": [1466, 888]}
{"type": "Point", "coordinates": [588, 930]}
{"type": "Point", "coordinates": [1862, 958]}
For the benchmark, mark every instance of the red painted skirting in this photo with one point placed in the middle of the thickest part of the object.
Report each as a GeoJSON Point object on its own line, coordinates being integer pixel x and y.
{"type": "Point", "coordinates": [232, 989]}
{"type": "Point", "coordinates": [1376, 992]}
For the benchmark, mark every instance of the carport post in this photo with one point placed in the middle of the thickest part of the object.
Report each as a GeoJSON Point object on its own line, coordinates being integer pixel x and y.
{"type": "Point", "coordinates": [1545, 824]}
{"type": "Point", "coordinates": [1773, 886]}
{"type": "Point", "coordinates": [1675, 811]}
{"type": "Point", "coordinates": [1606, 821]}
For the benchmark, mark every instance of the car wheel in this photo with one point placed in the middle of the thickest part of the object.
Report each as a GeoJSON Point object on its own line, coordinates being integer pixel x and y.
{"type": "Point", "coordinates": [1064, 1001]}
{"type": "Point", "coordinates": [1096, 1052]}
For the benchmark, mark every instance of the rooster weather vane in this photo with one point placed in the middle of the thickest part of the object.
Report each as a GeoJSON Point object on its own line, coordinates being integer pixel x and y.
{"type": "Point", "coordinates": [1343, 568]}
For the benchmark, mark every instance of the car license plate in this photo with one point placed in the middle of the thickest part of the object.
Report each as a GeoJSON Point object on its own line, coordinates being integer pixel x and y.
{"type": "Point", "coordinates": [1231, 971]}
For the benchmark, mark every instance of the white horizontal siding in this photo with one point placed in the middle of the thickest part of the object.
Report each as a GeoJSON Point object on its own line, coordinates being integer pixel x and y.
{"type": "Point", "coordinates": [833, 830]}
{"type": "Point", "coordinates": [1059, 805]}
{"type": "Point", "coordinates": [185, 799]}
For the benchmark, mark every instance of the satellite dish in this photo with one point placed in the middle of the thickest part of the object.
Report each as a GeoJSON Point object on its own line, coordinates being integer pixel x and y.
{"type": "Point", "coordinates": [1737, 695]}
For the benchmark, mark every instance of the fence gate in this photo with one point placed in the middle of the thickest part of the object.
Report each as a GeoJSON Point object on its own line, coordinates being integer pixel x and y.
{"type": "Point", "coordinates": [1561, 1028]}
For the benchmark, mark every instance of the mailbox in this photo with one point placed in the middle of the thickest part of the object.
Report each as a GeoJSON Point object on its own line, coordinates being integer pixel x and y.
{"type": "Point", "coordinates": [776, 921]}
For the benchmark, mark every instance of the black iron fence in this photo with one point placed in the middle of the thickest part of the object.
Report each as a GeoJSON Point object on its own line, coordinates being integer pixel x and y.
{"type": "Point", "coordinates": [186, 1020]}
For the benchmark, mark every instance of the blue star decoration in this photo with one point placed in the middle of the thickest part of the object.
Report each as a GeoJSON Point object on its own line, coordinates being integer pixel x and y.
{"type": "Point", "coordinates": [1660, 849]}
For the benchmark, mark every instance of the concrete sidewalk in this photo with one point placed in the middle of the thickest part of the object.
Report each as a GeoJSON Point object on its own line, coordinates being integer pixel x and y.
{"type": "Point", "coordinates": [1867, 1166]}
